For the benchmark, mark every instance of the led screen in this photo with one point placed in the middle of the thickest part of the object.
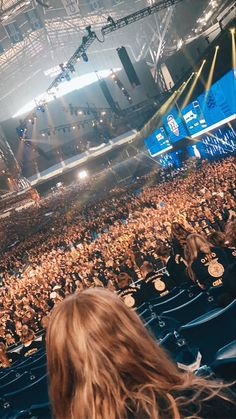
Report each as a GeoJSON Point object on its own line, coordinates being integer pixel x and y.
{"type": "Point", "coordinates": [213, 106]}
{"type": "Point", "coordinates": [221, 142]}
{"type": "Point", "coordinates": [157, 142]}
{"type": "Point", "coordinates": [171, 159]}
{"type": "Point", "coordinates": [174, 125]}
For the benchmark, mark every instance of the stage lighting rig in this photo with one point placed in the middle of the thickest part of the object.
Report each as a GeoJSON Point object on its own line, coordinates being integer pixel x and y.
{"type": "Point", "coordinates": [87, 40]}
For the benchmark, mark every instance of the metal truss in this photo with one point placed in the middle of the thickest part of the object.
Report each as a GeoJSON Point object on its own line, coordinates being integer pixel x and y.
{"type": "Point", "coordinates": [8, 8]}
{"type": "Point", "coordinates": [111, 27]}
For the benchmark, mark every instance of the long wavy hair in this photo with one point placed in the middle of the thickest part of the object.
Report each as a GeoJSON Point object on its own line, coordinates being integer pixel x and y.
{"type": "Point", "coordinates": [195, 243]}
{"type": "Point", "coordinates": [179, 236]}
{"type": "Point", "coordinates": [103, 364]}
{"type": "Point", "coordinates": [4, 361]}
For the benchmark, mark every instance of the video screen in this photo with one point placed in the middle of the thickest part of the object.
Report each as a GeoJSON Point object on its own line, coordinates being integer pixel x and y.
{"type": "Point", "coordinates": [158, 142]}
{"type": "Point", "coordinates": [174, 125]}
{"type": "Point", "coordinates": [212, 106]}
{"type": "Point", "coordinates": [220, 142]}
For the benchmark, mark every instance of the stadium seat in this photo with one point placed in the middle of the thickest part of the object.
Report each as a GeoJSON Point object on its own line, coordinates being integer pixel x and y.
{"type": "Point", "coordinates": [39, 411]}
{"type": "Point", "coordinates": [33, 362]}
{"type": "Point", "coordinates": [171, 294]}
{"type": "Point", "coordinates": [173, 302]}
{"type": "Point", "coordinates": [224, 365]}
{"type": "Point", "coordinates": [24, 397]}
{"type": "Point", "coordinates": [190, 310]}
{"type": "Point", "coordinates": [211, 331]}
{"type": "Point", "coordinates": [159, 327]}
{"type": "Point", "coordinates": [215, 292]}
{"type": "Point", "coordinates": [186, 357]}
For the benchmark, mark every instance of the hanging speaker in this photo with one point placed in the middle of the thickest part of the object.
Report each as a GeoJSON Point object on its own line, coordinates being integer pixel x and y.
{"type": "Point", "coordinates": [114, 106]}
{"type": "Point", "coordinates": [128, 67]}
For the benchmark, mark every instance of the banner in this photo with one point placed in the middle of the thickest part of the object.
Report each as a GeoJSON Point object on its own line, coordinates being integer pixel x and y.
{"type": "Point", "coordinates": [71, 7]}
{"type": "Point", "coordinates": [34, 19]}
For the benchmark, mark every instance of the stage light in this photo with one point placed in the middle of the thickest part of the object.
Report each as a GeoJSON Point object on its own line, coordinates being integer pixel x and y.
{"type": "Point", "coordinates": [232, 30]}
{"type": "Point", "coordinates": [73, 127]}
{"type": "Point", "coordinates": [110, 20]}
{"type": "Point", "coordinates": [89, 30]}
{"type": "Point", "coordinates": [188, 96]}
{"type": "Point", "coordinates": [80, 112]}
{"type": "Point", "coordinates": [103, 113]}
{"type": "Point", "coordinates": [211, 72]}
{"type": "Point", "coordinates": [85, 57]}
{"type": "Point", "coordinates": [83, 174]}
{"type": "Point", "coordinates": [101, 120]}
{"type": "Point", "coordinates": [43, 135]}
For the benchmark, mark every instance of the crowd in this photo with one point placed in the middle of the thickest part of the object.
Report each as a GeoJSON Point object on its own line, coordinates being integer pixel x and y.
{"type": "Point", "coordinates": [114, 239]}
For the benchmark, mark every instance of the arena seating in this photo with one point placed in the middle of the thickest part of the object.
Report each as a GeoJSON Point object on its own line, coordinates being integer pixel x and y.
{"type": "Point", "coordinates": [175, 322]}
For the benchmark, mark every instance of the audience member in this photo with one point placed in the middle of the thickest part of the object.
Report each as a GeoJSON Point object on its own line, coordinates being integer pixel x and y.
{"type": "Point", "coordinates": [104, 364]}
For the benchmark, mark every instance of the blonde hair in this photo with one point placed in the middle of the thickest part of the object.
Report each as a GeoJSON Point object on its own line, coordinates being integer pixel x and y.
{"type": "Point", "coordinates": [103, 364]}
{"type": "Point", "coordinates": [195, 243]}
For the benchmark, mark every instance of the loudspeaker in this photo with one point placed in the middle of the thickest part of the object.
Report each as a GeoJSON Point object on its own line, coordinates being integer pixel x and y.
{"type": "Point", "coordinates": [114, 106]}
{"type": "Point", "coordinates": [128, 67]}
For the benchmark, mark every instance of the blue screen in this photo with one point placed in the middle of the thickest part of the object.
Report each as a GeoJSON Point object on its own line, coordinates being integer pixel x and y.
{"type": "Point", "coordinates": [221, 142]}
{"type": "Point", "coordinates": [171, 159]}
{"type": "Point", "coordinates": [174, 125]}
{"type": "Point", "coordinates": [157, 142]}
{"type": "Point", "coordinates": [212, 106]}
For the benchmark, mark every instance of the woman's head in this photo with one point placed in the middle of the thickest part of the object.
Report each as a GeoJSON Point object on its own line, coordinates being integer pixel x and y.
{"type": "Point", "coordinates": [100, 357]}
{"type": "Point", "coordinates": [179, 232]}
{"type": "Point", "coordinates": [217, 238]}
{"type": "Point", "coordinates": [103, 363]}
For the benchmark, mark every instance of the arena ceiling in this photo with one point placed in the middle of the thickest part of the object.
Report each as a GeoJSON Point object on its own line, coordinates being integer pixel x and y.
{"type": "Point", "coordinates": [37, 35]}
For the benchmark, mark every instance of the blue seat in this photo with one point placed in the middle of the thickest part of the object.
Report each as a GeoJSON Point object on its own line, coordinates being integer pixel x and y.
{"type": "Point", "coordinates": [211, 331]}
{"type": "Point", "coordinates": [34, 361]}
{"type": "Point", "coordinates": [179, 299]}
{"type": "Point", "coordinates": [18, 381]}
{"type": "Point", "coordinates": [11, 375]}
{"type": "Point", "coordinates": [159, 327]}
{"type": "Point", "coordinates": [24, 397]}
{"type": "Point", "coordinates": [224, 365]}
{"type": "Point", "coordinates": [190, 310]}
{"type": "Point", "coordinates": [215, 292]}
{"type": "Point", "coordinates": [170, 294]}
{"type": "Point", "coordinates": [146, 315]}
{"type": "Point", "coordinates": [40, 411]}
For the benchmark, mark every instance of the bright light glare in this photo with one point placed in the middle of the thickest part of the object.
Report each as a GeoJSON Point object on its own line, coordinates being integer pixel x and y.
{"type": "Point", "coordinates": [83, 174]}
{"type": "Point", "coordinates": [66, 87]}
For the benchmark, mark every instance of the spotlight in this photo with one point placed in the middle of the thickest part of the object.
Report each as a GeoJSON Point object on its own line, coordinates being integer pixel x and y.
{"type": "Point", "coordinates": [232, 30]}
{"type": "Point", "coordinates": [71, 68]}
{"type": "Point", "coordinates": [83, 174]}
{"type": "Point", "coordinates": [89, 30]}
{"type": "Point", "coordinates": [217, 47]}
{"type": "Point", "coordinates": [73, 127]}
{"type": "Point", "coordinates": [110, 20]}
{"type": "Point", "coordinates": [85, 57]}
